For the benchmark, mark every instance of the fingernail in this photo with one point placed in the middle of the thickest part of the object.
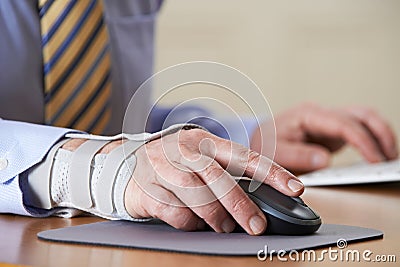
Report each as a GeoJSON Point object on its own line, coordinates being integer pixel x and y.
{"type": "Point", "coordinates": [295, 185]}
{"type": "Point", "coordinates": [318, 160]}
{"type": "Point", "coordinates": [228, 225]}
{"type": "Point", "coordinates": [257, 224]}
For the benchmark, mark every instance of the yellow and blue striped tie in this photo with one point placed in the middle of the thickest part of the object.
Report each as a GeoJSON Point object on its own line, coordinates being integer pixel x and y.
{"type": "Point", "coordinates": [76, 64]}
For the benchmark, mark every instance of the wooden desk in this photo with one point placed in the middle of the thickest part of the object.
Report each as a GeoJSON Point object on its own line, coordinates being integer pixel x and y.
{"type": "Point", "coordinates": [375, 206]}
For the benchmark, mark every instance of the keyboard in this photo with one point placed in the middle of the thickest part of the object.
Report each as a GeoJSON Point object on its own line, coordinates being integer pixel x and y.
{"type": "Point", "coordinates": [360, 173]}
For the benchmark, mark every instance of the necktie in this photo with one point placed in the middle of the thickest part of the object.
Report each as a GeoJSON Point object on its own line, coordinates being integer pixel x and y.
{"type": "Point", "coordinates": [76, 64]}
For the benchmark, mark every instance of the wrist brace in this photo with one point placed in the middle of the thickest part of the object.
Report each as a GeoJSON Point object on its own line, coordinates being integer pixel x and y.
{"type": "Point", "coordinates": [84, 180]}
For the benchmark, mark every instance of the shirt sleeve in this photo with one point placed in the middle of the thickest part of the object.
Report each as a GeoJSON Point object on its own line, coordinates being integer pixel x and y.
{"type": "Point", "coordinates": [240, 131]}
{"type": "Point", "coordinates": [22, 145]}
{"type": "Point", "coordinates": [237, 129]}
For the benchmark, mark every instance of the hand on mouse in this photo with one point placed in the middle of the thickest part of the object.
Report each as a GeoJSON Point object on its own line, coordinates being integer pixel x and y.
{"type": "Point", "coordinates": [185, 179]}
{"type": "Point", "coordinates": [308, 134]}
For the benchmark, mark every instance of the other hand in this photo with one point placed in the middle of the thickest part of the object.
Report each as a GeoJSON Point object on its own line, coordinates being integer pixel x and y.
{"type": "Point", "coordinates": [307, 135]}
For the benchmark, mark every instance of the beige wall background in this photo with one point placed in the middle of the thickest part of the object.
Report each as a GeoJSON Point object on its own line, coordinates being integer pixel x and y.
{"type": "Point", "coordinates": [333, 52]}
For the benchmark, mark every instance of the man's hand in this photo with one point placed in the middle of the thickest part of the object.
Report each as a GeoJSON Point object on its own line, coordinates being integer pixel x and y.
{"type": "Point", "coordinates": [308, 134]}
{"type": "Point", "coordinates": [185, 179]}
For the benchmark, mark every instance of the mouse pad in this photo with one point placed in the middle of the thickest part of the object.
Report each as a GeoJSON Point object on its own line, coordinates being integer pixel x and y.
{"type": "Point", "coordinates": [156, 235]}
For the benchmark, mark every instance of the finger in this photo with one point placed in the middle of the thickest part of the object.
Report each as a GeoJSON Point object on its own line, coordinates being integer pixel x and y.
{"type": "Point", "coordinates": [323, 122]}
{"type": "Point", "coordinates": [160, 203]}
{"type": "Point", "coordinates": [379, 128]}
{"type": "Point", "coordinates": [230, 195]}
{"type": "Point", "coordinates": [197, 196]}
{"type": "Point", "coordinates": [301, 157]}
{"type": "Point", "coordinates": [241, 161]}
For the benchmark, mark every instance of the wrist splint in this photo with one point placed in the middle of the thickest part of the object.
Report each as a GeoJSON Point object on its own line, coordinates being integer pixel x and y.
{"type": "Point", "coordinates": [87, 181]}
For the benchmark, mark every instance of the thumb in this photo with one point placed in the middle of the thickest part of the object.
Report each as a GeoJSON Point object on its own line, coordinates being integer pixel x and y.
{"type": "Point", "coordinates": [301, 157]}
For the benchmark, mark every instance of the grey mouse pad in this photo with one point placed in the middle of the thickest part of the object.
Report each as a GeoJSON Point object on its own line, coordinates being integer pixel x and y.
{"type": "Point", "coordinates": [159, 236]}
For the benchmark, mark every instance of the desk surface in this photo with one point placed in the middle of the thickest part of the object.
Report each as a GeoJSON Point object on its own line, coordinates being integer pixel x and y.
{"type": "Point", "coordinates": [374, 206]}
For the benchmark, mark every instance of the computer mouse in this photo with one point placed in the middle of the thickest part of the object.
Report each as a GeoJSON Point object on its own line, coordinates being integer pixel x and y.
{"type": "Point", "coordinates": [285, 215]}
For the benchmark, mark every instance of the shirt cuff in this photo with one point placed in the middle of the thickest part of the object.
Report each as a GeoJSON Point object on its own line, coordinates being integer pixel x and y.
{"type": "Point", "coordinates": [23, 145]}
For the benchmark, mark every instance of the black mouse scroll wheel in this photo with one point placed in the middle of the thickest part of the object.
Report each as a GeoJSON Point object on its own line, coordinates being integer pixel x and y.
{"type": "Point", "coordinates": [299, 200]}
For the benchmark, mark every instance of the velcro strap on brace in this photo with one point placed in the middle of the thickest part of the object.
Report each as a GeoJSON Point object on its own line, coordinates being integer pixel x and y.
{"type": "Point", "coordinates": [89, 181]}
{"type": "Point", "coordinates": [39, 179]}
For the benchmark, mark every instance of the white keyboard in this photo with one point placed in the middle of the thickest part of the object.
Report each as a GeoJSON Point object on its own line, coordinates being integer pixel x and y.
{"type": "Point", "coordinates": [361, 173]}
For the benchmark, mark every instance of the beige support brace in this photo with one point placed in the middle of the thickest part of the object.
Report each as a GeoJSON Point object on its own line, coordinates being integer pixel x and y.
{"type": "Point", "coordinates": [39, 179]}
{"type": "Point", "coordinates": [79, 172]}
{"type": "Point", "coordinates": [108, 175]}
{"type": "Point", "coordinates": [93, 182]}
